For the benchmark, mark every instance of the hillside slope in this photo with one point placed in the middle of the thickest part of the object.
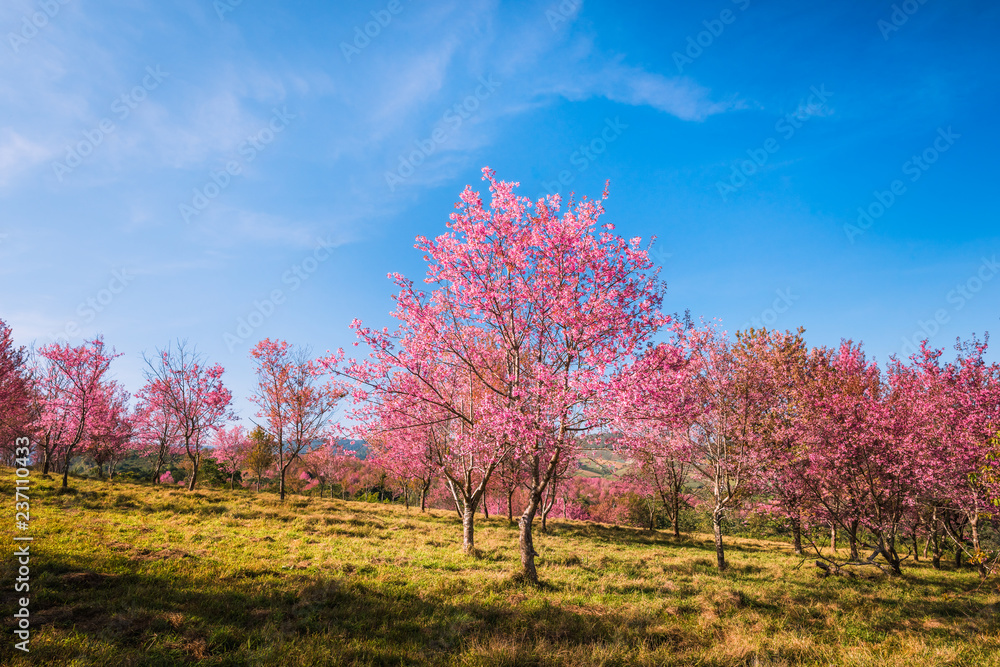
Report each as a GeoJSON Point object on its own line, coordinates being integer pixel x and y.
{"type": "Point", "coordinates": [131, 575]}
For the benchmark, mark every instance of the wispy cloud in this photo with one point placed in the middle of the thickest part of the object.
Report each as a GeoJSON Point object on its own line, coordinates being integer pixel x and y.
{"type": "Point", "coordinates": [626, 84]}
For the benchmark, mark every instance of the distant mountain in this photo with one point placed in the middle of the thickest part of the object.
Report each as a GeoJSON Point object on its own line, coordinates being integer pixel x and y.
{"type": "Point", "coordinates": [351, 445]}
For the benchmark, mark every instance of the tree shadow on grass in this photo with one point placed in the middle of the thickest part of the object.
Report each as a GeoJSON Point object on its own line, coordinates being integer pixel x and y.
{"type": "Point", "coordinates": [116, 611]}
{"type": "Point", "coordinates": [182, 610]}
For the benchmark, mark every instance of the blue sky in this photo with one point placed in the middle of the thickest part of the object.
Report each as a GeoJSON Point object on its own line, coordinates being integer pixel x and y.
{"type": "Point", "coordinates": [167, 169]}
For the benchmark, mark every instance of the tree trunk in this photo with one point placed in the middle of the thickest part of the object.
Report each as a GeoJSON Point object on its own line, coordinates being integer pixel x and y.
{"type": "Point", "coordinates": [852, 537]}
{"type": "Point", "coordinates": [159, 466]}
{"type": "Point", "coordinates": [510, 505]}
{"type": "Point", "coordinates": [423, 495]}
{"type": "Point", "coordinates": [833, 537]}
{"type": "Point", "coordinates": [720, 554]}
{"type": "Point", "coordinates": [486, 509]}
{"type": "Point", "coordinates": [895, 561]}
{"type": "Point", "coordinates": [547, 505]}
{"type": "Point", "coordinates": [528, 554]}
{"type": "Point", "coordinates": [468, 528]}
{"type": "Point", "coordinates": [888, 549]}
{"type": "Point", "coordinates": [677, 515]}
{"type": "Point", "coordinates": [281, 485]}
{"type": "Point", "coordinates": [406, 498]}
{"type": "Point", "coordinates": [65, 483]}
{"type": "Point", "coordinates": [976, 546]}
{"type": "Point", "coordinates": [797, 536]}
{"type": "Point", "coordinates": [195, 460]}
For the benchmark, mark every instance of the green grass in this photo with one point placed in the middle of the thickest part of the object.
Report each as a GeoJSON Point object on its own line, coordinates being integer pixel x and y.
{"type": "Point", "coordinates": [124, 574]}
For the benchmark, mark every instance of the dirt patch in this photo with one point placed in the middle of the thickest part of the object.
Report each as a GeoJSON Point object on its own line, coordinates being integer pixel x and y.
{"type": "Point", "coordinates": [161, 554]}
{"type": "Point", "coordinates": [85, 579]}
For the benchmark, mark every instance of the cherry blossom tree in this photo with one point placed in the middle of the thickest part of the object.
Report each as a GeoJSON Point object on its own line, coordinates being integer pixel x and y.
{"type": "Point", "coordinates": [530, 313]}
{"type": "Point", "coordinates": [695, 397]}
{"type": "Point", "coordinates": [963, 400]}
{"type": "Point", "coordinates": [414, 402]}
{"type": "Point", "coordinates": [111, 438]}
{"type": "Point", "coordinates": [193, 394]}
{"type": "Point", "coordinates": [563, 470]}
{"type": "Point", "coordinates": [81, 374]}
{"type": "Point", "coordinates": [157, 428]}
{"type": "Point", "coordinates": [510, 476]}
{"type": "Point", "coordinates": [18, 407]}
{"type": "Point", "coordinates": [327, 463]}
{"type": "Point", "coordinates": [293, 399]}
{"type": "Point", "coordinates": [659, 474]}
{"type": "Point", "coordinates": [779, 362]}
{"type": "Point", "coordinates": [868, 464]}
{"type": "Point", "coordinates": [231, 450]}
{"type": "Point", "coordinates": [52, 425]}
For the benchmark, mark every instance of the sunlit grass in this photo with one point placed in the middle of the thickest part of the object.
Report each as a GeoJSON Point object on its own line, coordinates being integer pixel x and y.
{"type": "Point", "coordinates": [131, 575]}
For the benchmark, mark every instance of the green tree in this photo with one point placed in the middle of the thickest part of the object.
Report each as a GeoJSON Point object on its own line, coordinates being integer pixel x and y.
{"type": "Point", "coordinates": [262, 449]}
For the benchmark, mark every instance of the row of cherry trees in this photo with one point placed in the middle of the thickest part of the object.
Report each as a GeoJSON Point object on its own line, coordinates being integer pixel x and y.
{"type": "Point", "coordinates": [536, 328]}
{"type": "Point", "coordinates": [538, 335]}
{"type": "Point", "coordinates": [825, 437]}
{"type": "Point", "coordinates": [65, 399]}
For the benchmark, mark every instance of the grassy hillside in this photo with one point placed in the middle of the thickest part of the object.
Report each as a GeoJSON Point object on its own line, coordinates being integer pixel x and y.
{"type": "Point", "coordinates": [130, 575]}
